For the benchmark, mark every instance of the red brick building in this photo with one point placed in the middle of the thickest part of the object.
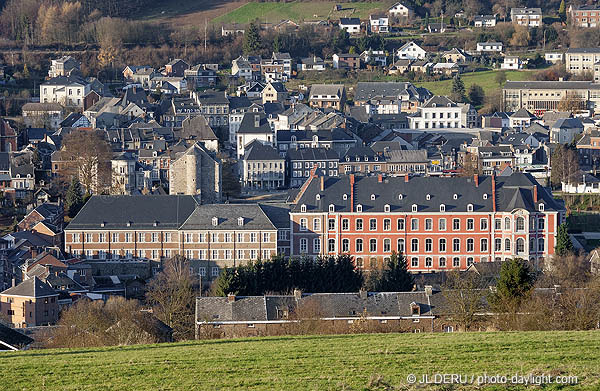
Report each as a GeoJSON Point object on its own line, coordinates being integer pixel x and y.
{"type": "Point", "coordinates": [437, 223]}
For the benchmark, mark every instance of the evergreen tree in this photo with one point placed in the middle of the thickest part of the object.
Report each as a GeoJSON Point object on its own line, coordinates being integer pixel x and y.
{"type": "Point", "coordinates": [476, 95]}
{"type": "Point", "coordinates": [562, 11]}
{"type": "Point", "coordinates": [252, 41]}
{"type": "Point", "coordinates": [564, 246]}
{"type": "Point", "coordinates": [395, 277]}
{"type": "Point", "coordinates": [26, 73]}
{"type": "Point", "coordinates": [514, 284]}
{"type": "Point", "coordinates": [74, 200]}
{"type": "Point", "coordinates": [458, 90]}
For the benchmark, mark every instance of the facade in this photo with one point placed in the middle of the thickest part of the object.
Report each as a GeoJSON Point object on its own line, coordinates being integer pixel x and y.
{"type": "Point", "coordinates": [390, 97]}
{"type": "Point", "coordinates": [42, 115]}
{"type": "Point", "coordinates": [565, 130]}
{"type": "Point", "coordinates": [300, 162]}
{"type": "Point", "coordinates": [200, 76]}
{"type": "Point", "coordinates": [437, 223]}
{"type": "Point", "coordinates": [581, 60]}
{"type": "Point", "coordinates": [588, 148]}
{"type": "Point", "coordinates": [214, 105]}
{"type": "Point", "coordinates": [400, 10]}
{"type": "Point", "coordinates": [176, 68]}
{"type": "Point", "coordinates": [585, 15]}
{"type": "Point", "coordinates": [530, 17]}
{"type": "Point", "coordinates": [327, 96]}
{"type": "Point", "coordinates": [312, 64]}
{"type": "Point", "coordinates": [411, 51]}
{"type": "Point", "coordinates": [274, 92]}
{"type": "Point", "coordinates": [196, 172]}
{"type": "Point", "coordinates": [346, 61]}
{"type": "Point", "coordinates": [379, 23]}
{"type": "Point", "coordinates": [554, 57]}
{"type": "Point", "coordinates": [67, 91]}
{"type": "Point", "coordinates": [437, 112]}
{"type": "Point", "coordinates": [31, 303]}
{"type": "Point", "coordinates": [263, 168]}
{"type": "Point", "coordinates": [489, 47]}
{"type": "Point", "coordinates": [254, 126]}
{"type": "Point", "coordinates": [63, 66]}
{"type": "Point", "coordinates": [484, 21]}
{"type": "Point", "coordinates": [351, 25]}
{"type": "Point", "coordinates": [512, 62]}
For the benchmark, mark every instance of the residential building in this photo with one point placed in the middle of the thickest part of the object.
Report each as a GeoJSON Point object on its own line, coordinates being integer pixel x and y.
{"type": "Point", "coordinates": [263, 168]}
{"type": "Point", "coordinates": [512, 62]}
{"type": "Point", "coordinates": [390, 97]}
{"type": "Point", "coordinates": [401, 11]}
{"type": "Point", "coordinates": [285, 60]}
{"type": "Point", "coordinates": [374, 58]}
{"type": "Point", "coordinates": [254, 126]}
{"type": "Point", "coordinates": [565, 130]}
{"type": "Point", "coordinates": [42, 115]}
{"type": "Point", "coordinates": [346, 61]}
{"type": "Point", "coordinates": [584, 15]}
{"type": "Point", "coordinates": [327, 96]}
{"type": "Point", "coordinates": [379, 23]}
{"type": "Point", "coordinates": [200, 76]}
{"type": "Point", "coordinates": [126, 177]}
{"type": "Point", "coordinates": [64, 66]}
{"type": "Point", "coordinates": [493, 160]}
{"type": "Point", "coordinates": [437, 112]}
{"type": "Point", "coordinates": [351, 25]}
{"type": "Point", "coordinates": [588, 148]}
{"type": "Point", "coordinates": [238, 106]}
{"type": "Point", "coordinates": [530, 17]}
{"type": "Point", "coordinates": [8, 137]}
{"type": "Point", "coordinates": [554, 57]}
{"type": "Point", "coordinates": [176, 68]}
{"type": "Point", "coordinates": [581, 60]}
{"type": "Point", "coordinates": [449, 69]}
{"type": "Point", "coordinates": [489, 47]}
{"type": "Point", "coordinates": [232, 29]}
{"type": "Point", "coordinates": [521, 119]}
{"type": "Point", "coordinates": [31, 303]}
{"type": "Point", "coordinates": [456, 55]}
{"type": "Point", "coordinates": [274, 92]}
{"type": "Point", "coordinates": [484, 21]}
{"type": "Point", "coordinates": [336, 139]}
{"type": "Point", "coordinates": [241, 68]}
{"type": "Point", "coordinates": [311, 64]}
{"type": "Point", "coordinates": [589, 184]}
{"type": "Point", "coordinates": [196, 172]}
{"type": "Point", "coordinates": [196, 129]}
{"type": "Point", "coordinates": [411, 51]}
{"type": "Point", "coordinates": [437, 223]}
{"type": "Point", "coordinates": [300, 162]}
{"type": "Point", "coordinates": [214, 105]}
{"type": "Point", "coordinates": [65, 90]}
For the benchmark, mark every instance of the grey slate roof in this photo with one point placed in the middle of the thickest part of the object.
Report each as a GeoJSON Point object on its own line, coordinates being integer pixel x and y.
{"type": "Point", "coordinates": [34, 287]}
{"type": "Point", "coordinates": [439, 101]}
{"type": "Point", "coordinates": [247, 124]}
{"type": "Point", "coordinates": [312, 154]}
{"type": "Point", "coordinates": [227, 215]}
{"type": "Point", "coordinates": [551, 85]}
{"type": "Point", "coordinates": [568, 123]}
{"type": "Point", "coordinates": [169, 212]}
{"type": "Point", "coordinates": [326, 89]}
{"type": "Point", "coordinates": [278, 213]}
{"type": "Point", "coordinates": [212, 97]}
{"type": "Point", "coordinates": [259, 151]}
{"type": "Point", "coordinates": [368, 90]}
{"type": "Point", "coordinates": [13, 338]}
{"type": "Point", "coordinates": [522, 113]}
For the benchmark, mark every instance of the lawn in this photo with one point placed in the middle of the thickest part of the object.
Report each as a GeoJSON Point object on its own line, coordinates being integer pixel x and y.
{"type": "Point", "coordinates": [485, 79]}
{"type": "Point", "coordinates": [342, 362]}
{"type": "Point", "coordinates": [274, 12]}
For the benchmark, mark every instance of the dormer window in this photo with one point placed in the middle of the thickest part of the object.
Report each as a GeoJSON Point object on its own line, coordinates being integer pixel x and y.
{"type": "Point", "coordinates": [345, 197]}
{"type": "Point", "coordinates": [415, 208]}
{"type": "Point", "coordinates": [302, 208]}
{"type": "Point", "coordinates": [372, 197]}
{"type": "Point", "coordinates": [366, 158]}
{"type": "Point", "coordinates": [485, 196]}
{"type": "Point", "coordinates": [399, 196]}
{"type": "Point", "coordinates": [318, 197]}
{"type": "Point", "coordinates": [455, 196]}
{"type": "Point", "coordinates": [541, 207]}
{"type": "Point", "coordinates": [442, 208]}
{"type": "Point", "coordinates": [415, 309]}
{"type": "Point", "coordinates": [359, 208]}
{"type": "Point", "coordinates": [386, 208]}
{"type": "Point", "coordinates": [103, 224]}
{"type": "Point", "coordinates": [347, 158]}
{"type": "Point", "coordinates": [129, 223]}
{"type": "Point", "coordinates": [376, 158]}
{"type": "Point", "coordinates": [470, 208]}
{"type": "Point", "coordinates": [215, 221]}
{"type": "Point", "coordinates": [240, 221]}
{"type": "Point", "coordinates": [428, 197]}
{"type": "Point", "coordinates": [331, 208]}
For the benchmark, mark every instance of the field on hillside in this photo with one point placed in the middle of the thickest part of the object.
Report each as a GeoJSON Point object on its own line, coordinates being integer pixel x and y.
{"type": "Point", "coordinates": [485, 79]}
{"type": "Point", "coordinates": [342, 362]}
{"type": "Point", "coordinates": [297, 11]}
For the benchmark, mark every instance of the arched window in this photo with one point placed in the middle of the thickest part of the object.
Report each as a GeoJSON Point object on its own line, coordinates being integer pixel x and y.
{"type": "Point", "coordinates": [507, 245]}
{"type": "Point", "coordinates": [541, 245]}
{"type": "Point", "coordinates": [400, 247]}
{"type": "Point", "coordinates": [428, 262]}
{"type": "Point", "coordinates": [373, 245]}
{"type": "Point", "coordinates": [359, 262]}
{"type": "Point", "coordinates": [359, 245]}
{"type": "Point", "coordinates": [470, 245]}
{"type": "Point", "coordinates": [317, 245]}
{"type": "Point", "coordinates": [520, 245]}
{"type": "Point", "coordinates": [387, 245]}
{"type": "Point", "coordinates": [345, 245]}
{"type": "Point", "coordinates": [414, 245]}
{"type": "Point", "coordinates": [331, 245]}
{"type": "Point", "coordinates": [507, 223]}
{"type": "Point", "coordinates": [520, 224]}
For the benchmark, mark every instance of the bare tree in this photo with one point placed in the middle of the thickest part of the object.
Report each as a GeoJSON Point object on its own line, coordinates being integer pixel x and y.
{"type": "Point", "coordinates": [565, 165]}
{"type": "Point", "coordinates": [571, 102]}
{"type": "Point", "coordinates": [465, 297]}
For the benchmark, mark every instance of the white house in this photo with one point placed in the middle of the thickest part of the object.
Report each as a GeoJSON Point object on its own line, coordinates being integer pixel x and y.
{"type": "Point", "coordinates": [437, 112]}
{"type": "Point", "coordinates": [530, 17]}
{"type": "Point", "coordinates": [484, 21]}
{"type": "Point", "coordinates": [512, 62]}
{"type": "Point", "coordinates": [379, 23]}
{"type": "Point", "coordinates": [489, 46]}
{"type": "Point", "coordinates": [378, 57]}
{"type": "Point", "coordinates": [400, 10]}
{"type": "Point", "coordinates": [589, 184]}
{"type": "Point", "coordinates": [411, 51]}
{"type": "Point", "coordinates": [351, 25]}
{"type": "Point", "coordinates": [553, 57]}
{"type": "Point", "coordinates": [68, 91]}
{"type": "Point", "coordinates": [254, 126]}
{"type": "Point", "coordinates": [521, 119]}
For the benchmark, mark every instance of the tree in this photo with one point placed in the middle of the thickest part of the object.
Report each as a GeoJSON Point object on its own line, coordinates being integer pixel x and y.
{"type": "Point", "coordinates": [26, 74]}
{"type": "Point", "coordinates": [500, 78]}
{"type": "Point", "coordinates": [476, 95]}
{"type": "Point", "coordinates": [74, 200]}
{"type": "Point", "coordinates": [173, 297]}
{"type": "Point", "coordinates": [252, 41]}
{"type": "Point", "coordinates": [571, 102]}
{"type": "Point", "coordinates": [565, 165]}
{"type": "Point", "coordinates": [458, 90]}
{"type": "Point", "coordinates": [562, 11]}
{"type": "Point", "coordinates": [470, 165]}
{"type": "Point", "coordinates": [564, 246]}
{"type": "Point", "coordinates": [520, 37]}
{"type": "Point", "coordinates": [395, 277]}
{"type": "Point", "coordinates": [465, 297]}
{"type": "Point", "coordinates": [514, 285]}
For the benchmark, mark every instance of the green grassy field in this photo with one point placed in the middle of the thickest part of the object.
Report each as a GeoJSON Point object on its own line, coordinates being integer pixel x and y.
{"type": "Point", "coordinates": [343, 362]}
{"type": "Point", "coordinates": [296, 11]}
{"type": "Point", "coordinates": [485, 79]}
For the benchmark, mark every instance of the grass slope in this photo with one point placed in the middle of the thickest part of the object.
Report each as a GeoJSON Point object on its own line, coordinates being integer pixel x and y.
{"type": "Point", "coordinates": [485, 79]}
{"type": "Point", "coordinates": [343, 362]}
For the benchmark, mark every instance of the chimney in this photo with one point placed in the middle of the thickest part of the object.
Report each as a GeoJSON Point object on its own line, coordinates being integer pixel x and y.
{"type": "Point", "coordinates": [256, 120]}
{"type": "Point", "coordinates": [297, 294]}
{"type": "Point", "coordinates": [352, 192]}
{"type": "Point", "coordinates": [535, 195]}
{"type": "Point", "coordinates": [230, 297]}
{"type": "Point", "coordinates": [322, 183]}
{"type": "Point", "coordinates": [428, 290]}
{"type": "Point", "coordinates": [493, 193]}
{"type": "Point", "coordinates": [476, 179]}
{"type": "Point", "coordinates": [362, 294]}
{"type": "Point", "coordinates": [406, 178]}
{"type": "Point", "coordinates": [380, 178]}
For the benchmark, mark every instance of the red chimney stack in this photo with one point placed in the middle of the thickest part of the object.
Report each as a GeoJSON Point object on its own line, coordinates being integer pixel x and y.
{"type": "Point", "coordinates": [322, 183]}
{"type": "Point", "coordinates": [494, 192]}
{"type": "Point", "coordinates": [380, 178]}
{"type": "Point", "coordinates": [352, 192]}
{"type": "Point", "coordinates": [476, 179]}
{"type": "Point", "coordinates": [405, 177]}
{"type": "Point", "coordinates": [535, 195]}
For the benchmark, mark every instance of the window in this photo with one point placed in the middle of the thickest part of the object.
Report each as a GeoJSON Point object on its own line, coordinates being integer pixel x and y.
{"type": "Point", "coordinates": [372, 224]}
{"type": "Point", "coordinates": [266, 237]}
{"type": "Point", "coordinates": [331, 208]}
{"type": "Point", "coordinates": [520, 224]}
{"type": "Point", "coordinates": [240, 237]}
{"type": "Point", "coordinates": [359, 262]}
{"type": "Point", "coordinates": [456, 262]}
{"type": "Point", "coordinates": [345, 245]}
{"type": "Point", "coordinates": [507, 245]}
{"type": "Point", "coordinates": [428, 224]}
{"type": "Point", "coordinates": [455, 224]}
{"type": "Point", "coordinates": [442, 208]}
{"type": "Point", "coordinates": [316, 224]}
{"type": "Point", "coordinates": [154, 237]}
{"type": "Point", "coordinates": [240, 254]}
{"type": "Point", "coordinates": [400, 224]}
{"type": "Point", "coordinates": [331, 245]}
{"type": "Point", "coordinates": [442, 245]}
{"type": "Point", "coordinates": [414, 224]}
{"type": "Point", "coordinates": [215, 221]}
{"type": "Point", "coordinates": [400, 246]}
{"type": "Point", "coordinates": [167, 237]}
{"type": "Point", "coordinates": [359, 245]}
{"type": "Point", "coordinates": [470, 224]}
{"type": "Point", "coordinates": [215, 254]}
{"type": "Point", "coordinates": [497, 244]}
{"type": "Point", "coordinates": [428, 245]}
{"type": "Point", "coordinates": [541, 246]}
{"type": "Point", "coordinates": [520, 245]}
{"type": "Point", "coordinates": [345, 224]}
{"type": "Point", "coordinates": [414, 245]}
{"type": "Point", "coordinates": [387, 224]}
{"type": "Point", "coordinates": [359, 208]}
{"type": "Point", "coordinates": [456, 245]}
{"type": "Point", "coordinates": [414, 208]}
{"type": "Point", "coordinates": [442, 224]}
{"type": "Point", "coordinates": [483, 224]}
{"type": "Point", "coordinates": [331, 224]}
{"type": "Point", "coordinates": [470, 208]}
{"type": "Point", "coordinates": [484, 245]}
{"type": "Point", "coordinates": [470, 245]}
{"type": "Point", "coordinates": [469, 261]}
{"type": "Point", "coordinates": [387, 245]}
{"type": "Point", "coordinates": [214, 271]}
{"type": "Point", "coordinates": [303, 246]}
{"type": "Point", "coordinates": [373, 245]}
{"type": "Point", "coordinates": [302, 224]}
{"type": "Point", "coordinates": [497, 224]}
{"type": "Point", "coordinates": [507, 223]}
{"type": "Point", "coordinates": [359, 224]}
{"type": "Point", "coordinates": [428, 262]}
{"type": "Point", "coordinates": [317, 245]}
{"type": "Point", "coordinates": [442, 262]}
{"type": "Point", "coordinates": [414, 262]}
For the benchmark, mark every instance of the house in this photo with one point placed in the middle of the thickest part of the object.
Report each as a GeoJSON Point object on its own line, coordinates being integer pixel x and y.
{"type": "Point", "coordinates": [65, 90]}
{"type": "Point", "coordinates": [411, 51]}
{"type": "Point", "coordinates": [214, 105]}
{"type": "Point", "coordinates": [8, 137]}
{"type": "Point", "coordinates": [446, 68]}
{"type": "Point", "coordinates": [346, 61]}
{"type": "Point", "coordinates": [584, 15]}
{"type": "Point", "coordinates": [438, 223]}
{"type": "Point", "coordinates": [241, 68]}
{"type": "Point", "coordinates": [581, 60]}
{"type": "Point", "coordinates": [401, 11]}
{"type": "Point", "coordinates": [254, 126]}
{"type": "Point", "coordinates": [489, 47]}
{"type": "Point", "coordinates": [285, 60]}
{"type": "Point", "coordinates": [197, 129]}
{"type": "Point", "coordinates": [565, 129]}
{"type": "Point", "coordinates": [300, 163]}
{"type": "Point", "coordinates": [484, 21]}
{"type": "Point", "coordinates": [553, 57]}
{"type": "Point", "coordinates": [42, 115]}
{"type": "Point", "coordinates": [435, 28]}
{"type": "Point", "coordinates": [400, 67]}
{"type": "Point", "coordinates": [389, 97]}
{"type": "Point", "coordinates": [588, 148]}
{"type": "Point", "coordinates": [197, 171]}
{"type": "Point", "coordinates": [200, 76]}
{"type": "Point", "coordinates": [263, 168]}
{"type": "Point", "coordinates": [76, 121]}
{"type": "Point", "coordinates": [530, 17]}
{"type": "Point", "coordinates": [521, 119]}
{"type": "Point", "coordinates": [251, 89]}
{"type": "Point", "coordinates": [351, 25]}
{"type": "Point", "coordinates": [512, 62]}
{"type": "Point", "coordinates": [589, 185]}
{"type": "Point", "coordinates": [274, 92]}
{"type": "Point", "coordinates": [374, 57]}
{"type": "Point", "coordinates": [456, 55]}
{"type": "Point", "coordinates": [327, 96]}
{"type": "Point", "coordinates": [232, 29]}
{"type": "Point", "coordinates": [64, 66]}
{"type": "Point", "coordinates": [311, 64]}
{"type": "Point", "coordinates": [336, 139]}
{"type": "Point", "coordinates": [421, 66]}
{"type": "Point", "coordinates": [31, 303]}
{"type": "Point", "coordinates": [47, 214]}
{"type": "Point", "coordinates": [437, 112]}
{"type": "Point", "coordinates": [379, 23]}
{"type": "Point", "coordinates": [176, 68]}
{"type": "Point", "coordinates": [238, 106]}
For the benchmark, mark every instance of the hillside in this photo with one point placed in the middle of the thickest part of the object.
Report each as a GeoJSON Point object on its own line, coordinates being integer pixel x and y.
{"type": "Point", "coordinates": [342, 362]}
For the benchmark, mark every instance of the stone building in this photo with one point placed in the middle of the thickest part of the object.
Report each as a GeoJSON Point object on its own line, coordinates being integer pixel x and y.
{"type": "Point", "coordinates": [196, 172]}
